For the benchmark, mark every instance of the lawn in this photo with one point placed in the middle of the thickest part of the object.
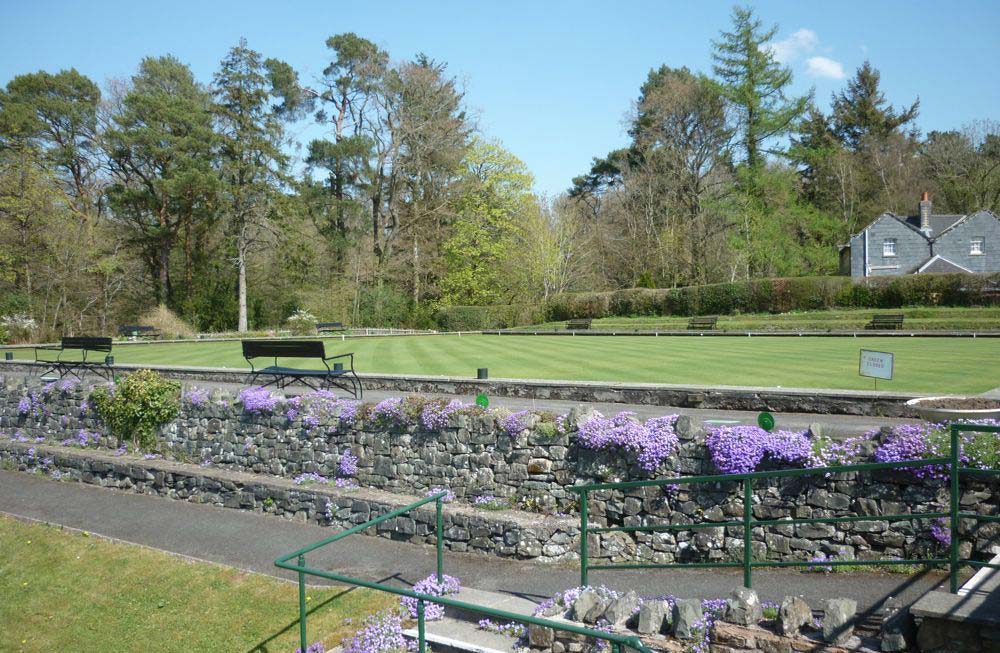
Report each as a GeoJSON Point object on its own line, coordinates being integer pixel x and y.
{"type": "Point", "coordinates": [931, 365]}
{"type": "Point", "coordinates": [918, 319]}
{"type": "Point", "coordinates": [63, 591]}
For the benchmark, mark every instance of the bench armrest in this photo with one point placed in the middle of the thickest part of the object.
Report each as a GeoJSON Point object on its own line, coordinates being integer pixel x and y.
{"type": "Point", "coordinates": [46, 348]}
{"type": "Point", "coordinates": [350, 355]}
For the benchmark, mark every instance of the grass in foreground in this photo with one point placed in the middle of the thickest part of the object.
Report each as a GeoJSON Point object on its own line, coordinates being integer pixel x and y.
{"type": "Point", "coordinates": [929, 365]}
{"type": "Point", "coordinates": [62, 591]}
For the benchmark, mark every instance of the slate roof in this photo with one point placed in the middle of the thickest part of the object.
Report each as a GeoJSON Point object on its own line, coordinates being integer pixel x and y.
{"type": "Point", "coordinates": [939, 223]}
{"type": "Point", "coordinates": [938, 263]}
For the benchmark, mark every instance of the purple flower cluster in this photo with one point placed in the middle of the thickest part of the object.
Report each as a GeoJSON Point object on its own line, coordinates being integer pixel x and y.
{"type": "Point", "coordinates": [382, 633]}
{"type": "Point", "coordinates": [431, 587]}
{"type": "Point", "coordinates": [315, 647]}
{"type": "Point", "coordinates": [348, 464]}
{"type": "Point", "coordinates": [514, 423]}
{"type": "Point", "coordinates": [195, 396]}
{"type": "Point", "coordinates": [436, 414]}
{"type": "Point", "coordinates": [258, 400]}
{"type": "Point", "coordinates": [82, 438]}
{"type": "Point", "coordinates": [509, 629]}
{"type": "Point", "coordinates": [740, 449]}
{"type": "Point", "coordinates": [653, 442]}
{"type": "Point", "coordinates": [346, 483]}
{"type": "Point", "coordinates": [308, 478]}
{"type": "Point", "coordinates": [68, 384]}
{"type": "Point", "coordinates": [941, 531]}
{"type": "Point", "coordinates": [389, 412]}
{"type": "Point", "coordinates": [919, 441]}
{"type": "Point", "coordinates": [821, 557]}
{"type": "Point", "coordinates": [831, 453]}
{"type": "Point", "coordinates": [448, 498]}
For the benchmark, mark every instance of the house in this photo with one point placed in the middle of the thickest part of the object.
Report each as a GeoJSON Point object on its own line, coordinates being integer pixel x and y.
{"type": "Point", "coordinates": [922, 243]}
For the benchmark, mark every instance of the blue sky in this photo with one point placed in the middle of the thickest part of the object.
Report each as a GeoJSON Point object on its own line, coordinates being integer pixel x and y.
{"type": "Point", "coordinates": [551, 80]}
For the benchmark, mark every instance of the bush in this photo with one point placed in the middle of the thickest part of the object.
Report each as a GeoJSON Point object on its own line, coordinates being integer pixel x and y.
{"type": "Point", "coordinates": [780, 295]}
{"type": "Point", "coordinates": [135, 407]}
{"type": "Point", "coordinates": [302, 323]}
{"type": "Point", "coordinates": [167, 322]}
{"type": "Point", "coordinates": [478, 318]}
{"type": "Point", "coordinates": [17, 328]}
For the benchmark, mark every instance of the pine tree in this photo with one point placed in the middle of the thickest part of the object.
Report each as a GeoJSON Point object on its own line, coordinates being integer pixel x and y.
{"type": "Point", "coordinates": [861, 111]}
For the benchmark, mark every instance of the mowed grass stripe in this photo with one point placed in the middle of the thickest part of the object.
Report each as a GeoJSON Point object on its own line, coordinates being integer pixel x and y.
{"type": "Point", "coordinates": [938, 365]}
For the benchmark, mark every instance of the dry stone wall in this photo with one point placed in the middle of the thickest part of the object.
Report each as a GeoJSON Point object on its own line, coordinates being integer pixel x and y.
{"type": "Point", "coordinates": [534, 467]}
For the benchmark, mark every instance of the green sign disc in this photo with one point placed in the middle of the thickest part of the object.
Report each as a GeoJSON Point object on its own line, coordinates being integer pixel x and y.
{"type": "Point", "coordinates": [482, 400]}
{"type": "Point", "coordinates": [765, 421]}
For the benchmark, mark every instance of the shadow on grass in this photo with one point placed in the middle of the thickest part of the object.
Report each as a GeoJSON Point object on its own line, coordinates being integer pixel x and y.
{"type": "Point", "coordinates": [263, 646]}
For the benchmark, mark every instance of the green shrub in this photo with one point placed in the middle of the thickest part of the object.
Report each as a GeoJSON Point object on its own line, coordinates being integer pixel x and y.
{"type": "Point", "coordinates": [136, 406]}
{"type": "Point", "coordinates": [779, 295]}
{"type": "Point", "coordinates": [301, 323]}
{"type": "Point", "coordinates": [478, 318]}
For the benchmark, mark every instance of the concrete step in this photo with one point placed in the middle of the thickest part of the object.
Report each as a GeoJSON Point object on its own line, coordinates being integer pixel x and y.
{"type": "Point", "coordinates": [450, 635]}
{"type": "Point", "coordinates": [496, 600]}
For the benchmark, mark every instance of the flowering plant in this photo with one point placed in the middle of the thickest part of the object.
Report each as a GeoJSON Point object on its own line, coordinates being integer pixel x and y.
{"type": "Point", "coordinates": [652, 442]}
{"type": "Point", "coordinates": [740, 449]}
{"type": "Point", "coordinates": [258, 400]}
{"type": "Point", "coordinates": [436, 413]}
{"type": "Point", "coordinates": [513, 424]}
{"type": "Point", "coordinates": [431, 587]}
{"type": "Point", "coordinates": [301, 322]}
{"type": "Point", "coordinates": [382, 633]}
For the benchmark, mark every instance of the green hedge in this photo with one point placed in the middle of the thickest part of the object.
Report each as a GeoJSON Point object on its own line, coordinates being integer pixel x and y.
{"type": "Point", "coordinates": [478, 318]}
{"type": "Point", "coordinates": [780, 295]}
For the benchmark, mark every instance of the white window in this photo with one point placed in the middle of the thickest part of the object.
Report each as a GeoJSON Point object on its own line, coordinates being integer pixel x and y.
{"type": "Point", "coordinates": [889, 247]}
{"type": "Point", "coordinates": [976, 246]}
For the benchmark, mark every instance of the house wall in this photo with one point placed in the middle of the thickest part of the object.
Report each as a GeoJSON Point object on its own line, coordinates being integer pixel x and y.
{"type": "Point", "coordinates": [954, 245]}
{"type": "Point", "coordinates": [912, 249]}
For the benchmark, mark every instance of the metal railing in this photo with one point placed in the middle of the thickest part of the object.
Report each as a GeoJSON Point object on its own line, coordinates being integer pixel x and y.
{"type": "Point", "coordinates": [952, 463]}
{"type": "Point", "coordinates": [300, 567]}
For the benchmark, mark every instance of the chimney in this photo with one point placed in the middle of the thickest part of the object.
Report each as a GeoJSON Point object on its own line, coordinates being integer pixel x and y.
{"type": "Point", "coordinates": [925, 214]}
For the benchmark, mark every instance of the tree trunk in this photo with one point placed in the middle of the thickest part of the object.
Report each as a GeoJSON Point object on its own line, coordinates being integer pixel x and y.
{"type": "Point", "coordinates": [241, 263]}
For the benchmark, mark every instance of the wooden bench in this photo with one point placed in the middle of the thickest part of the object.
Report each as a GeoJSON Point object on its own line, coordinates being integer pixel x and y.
{"type": "Point", "coordinates": [138, 331]}
{"type": "Point", "coordinates": [281, 375]}
{"type": "Point", "coordinates": [329, 327]}
{"type": "Point", "coordinates": [577, 325]}
{"type": "Point", "coordinates": [78, 366]}
{"type": "Point", "coordinates": [886, 321]}
{"type": "Point", "coordinates": [702, 322]}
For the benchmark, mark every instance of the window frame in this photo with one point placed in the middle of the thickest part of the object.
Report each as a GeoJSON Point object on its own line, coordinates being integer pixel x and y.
{"type": "Point", "coordinates": [889, 248]}
{"type": "Point", "coordinates": [981, 242]}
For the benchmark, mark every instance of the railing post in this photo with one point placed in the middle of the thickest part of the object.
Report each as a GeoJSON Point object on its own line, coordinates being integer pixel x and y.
{"type": "Point", "coordinates": [953, 548]}
{"type": "Point", "coordinates": [583, 538]}
{"type": "Point", "coordinates": [421, 641]}
{"type": "Point", "coordinates": [303, 639]}
{"type": "Point", "coordinates": [616, 647]}
{"type": "Point", "coordinates": [440, 542]}
{"type": "Point", "coordinates": [747, 533]}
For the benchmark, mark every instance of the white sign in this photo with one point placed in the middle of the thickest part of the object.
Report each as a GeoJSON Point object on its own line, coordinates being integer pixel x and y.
{"type": "Point", "coordinates": [876, 364]}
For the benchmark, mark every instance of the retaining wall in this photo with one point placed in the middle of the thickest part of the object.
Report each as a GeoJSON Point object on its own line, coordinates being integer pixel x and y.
{"type": "Point", "coordinates": [535, 468]}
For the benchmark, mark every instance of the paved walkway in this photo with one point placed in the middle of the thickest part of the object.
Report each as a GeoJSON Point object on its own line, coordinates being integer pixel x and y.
{"type": "Point", "coordinates": [252, 541]}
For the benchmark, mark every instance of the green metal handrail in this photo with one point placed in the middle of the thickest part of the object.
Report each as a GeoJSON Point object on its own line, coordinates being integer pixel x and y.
{"type": "Point", "coordinates": [616, 641]}
{"type": "Point", "coordinates": [747, 523]}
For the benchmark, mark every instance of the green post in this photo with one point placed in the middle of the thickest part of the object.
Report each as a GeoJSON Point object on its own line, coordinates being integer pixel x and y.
{"type": "Point", "coordinates": [440, 542]}
{"type": "Point", "coordinates": [616, 647]}
{"type": "Point", "coordinates": [583, 538]}
{"type": "Point", "coordinates": [422, 643]}
{"type": "Point", "coordinates": [747, 533]}
{"type": "Point", "coordinates": [303, 643]}
{"type": "Point", "coordinates": [953, 549]}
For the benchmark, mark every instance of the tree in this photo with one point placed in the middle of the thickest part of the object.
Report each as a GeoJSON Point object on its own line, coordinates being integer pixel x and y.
{"type": "Point", "coordinates": [964, 167]}
{"type": "Point", "coordinates": [481, 256]}
{"type": "Point", "coordinates": [252, 164]}
{"type": "Point", "coordinates": [862, 114]}
{"type": "Point", "coordinates": [161, 152]}
{"type": "Point", "coordinates": [754, 82]}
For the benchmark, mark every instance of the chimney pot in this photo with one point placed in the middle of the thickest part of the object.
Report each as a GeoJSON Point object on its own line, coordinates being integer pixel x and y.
{"type": "Point", "coordinates": [925, 213]}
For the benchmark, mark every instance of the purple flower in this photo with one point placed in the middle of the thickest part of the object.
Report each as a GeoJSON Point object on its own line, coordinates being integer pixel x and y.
{"type": "Point", "coordinates": [448, 498]}
{"type": "Point", "coordinates": [309, 478]}
{"type": "Point", "coordinates": [258, 400]}
{"type": "Point", "coordinates": [196, 396]}
{"type": "Point", "coordinates": [315, 647]}
{"type": "Point", "coordinates": [820, 557]}
{"type": "Point", "coordinates": [346, 483]}
{"type": "Point", "coordinates": [431, 587]}
{"type": "Point", "coordinates": [24, 406]}
{"type": "Point", "coordinates": [389, 412]}
{"type": "Point", "coordinates": [652, 442]}
{"type": "Point", "coordinates": [741, 449]}
{"type": "Point", "coordinates": [436, 414]}
{"type": "Point", "coordinates": [348, 464]}
{"type": "Point", "coordinates": [513, 424]}
{"type": "Point", "coordinates": [382, 633]}
{"type": "Point", "coordinates": [941, 531]}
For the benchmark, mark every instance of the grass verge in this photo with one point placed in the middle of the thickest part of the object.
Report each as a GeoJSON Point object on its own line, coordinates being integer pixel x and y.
{"type": "Point", "coordinates": [65, 591]}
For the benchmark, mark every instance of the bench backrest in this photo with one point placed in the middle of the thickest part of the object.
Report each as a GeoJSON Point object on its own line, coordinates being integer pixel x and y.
{"type": "Point", "coordinates": [90, 343]}
{"type": "Point", "coordinates": [283, 348]}
{"type": "Point", "coordinates": [329, 325]}
{"type": "Point", "coordinates": [705, 319]}
{"type": "Point", "coordinates": [888, 316]}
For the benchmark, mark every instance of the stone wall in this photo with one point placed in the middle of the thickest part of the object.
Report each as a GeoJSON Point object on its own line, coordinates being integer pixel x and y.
{"type": "Point", "coordinates": [534, 469]}
{"type": "Point", "coordinates": [507, 534]}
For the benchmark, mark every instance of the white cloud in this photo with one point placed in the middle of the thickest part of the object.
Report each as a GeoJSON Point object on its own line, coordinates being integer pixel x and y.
{"type": "Point", "coordinates": [823, 67]}
{"type": "Point", "coordinates": [801, 42]}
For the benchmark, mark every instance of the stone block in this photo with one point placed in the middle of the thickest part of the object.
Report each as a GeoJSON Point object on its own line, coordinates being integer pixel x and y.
{"type": "Point", "coordinates": [686, 613]}
{"type": "Point", "coordinates": [743, 607]}
{"type": "Point", "coordinates": [792, 615]}
{"type": "Point", "coordinates": [838, 620]}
